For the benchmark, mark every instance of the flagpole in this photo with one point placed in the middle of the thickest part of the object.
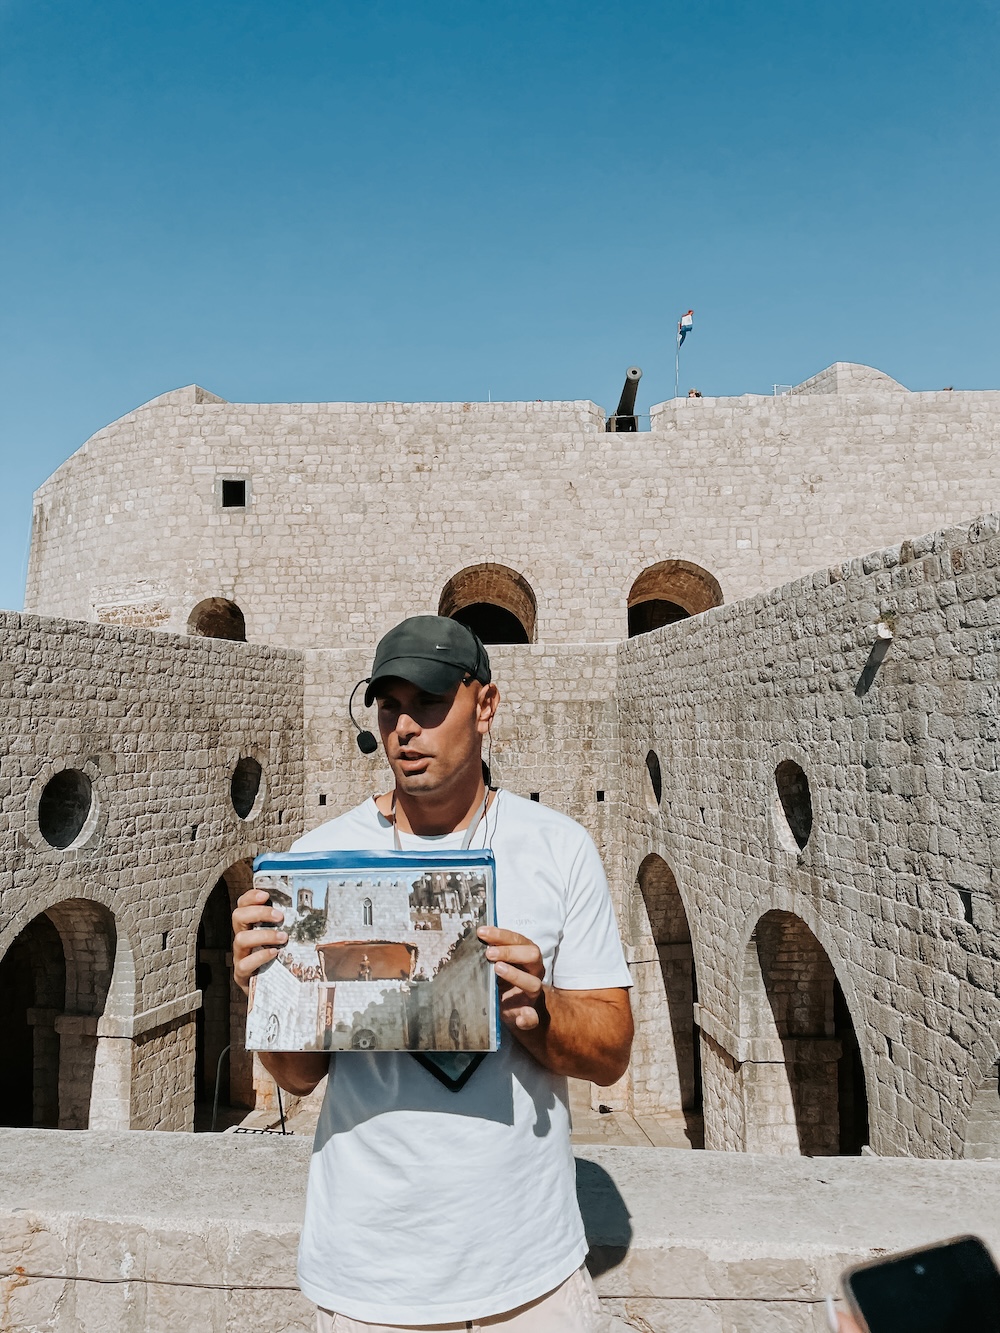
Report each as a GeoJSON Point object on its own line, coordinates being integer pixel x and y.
{"type": "Point", "coordinates": [684, 326]}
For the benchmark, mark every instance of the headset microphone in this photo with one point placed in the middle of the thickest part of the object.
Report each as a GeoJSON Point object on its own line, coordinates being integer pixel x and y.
{"type": "Point", "coordinates": [367, 743]}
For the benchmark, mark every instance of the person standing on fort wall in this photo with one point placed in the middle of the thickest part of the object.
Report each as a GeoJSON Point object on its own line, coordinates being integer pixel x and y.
{"type": "Point", "coordinates": [470, 1214]}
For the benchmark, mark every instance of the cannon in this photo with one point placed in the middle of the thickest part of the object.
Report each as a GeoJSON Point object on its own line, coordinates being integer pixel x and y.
{"type": "Point", "coordinates": [624, 416]}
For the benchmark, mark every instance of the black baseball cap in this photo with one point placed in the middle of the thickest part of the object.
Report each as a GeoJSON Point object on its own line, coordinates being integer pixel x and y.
{"type": "Point", "coordinates": [432, 652]}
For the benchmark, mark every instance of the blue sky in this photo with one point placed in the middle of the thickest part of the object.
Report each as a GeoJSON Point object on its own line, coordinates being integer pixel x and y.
{"type": "Point", "coordinates": [427, 199]}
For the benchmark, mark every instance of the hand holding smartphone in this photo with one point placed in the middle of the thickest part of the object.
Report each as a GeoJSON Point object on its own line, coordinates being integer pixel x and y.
{"type": "Point", "coordinates": [953, 1287]}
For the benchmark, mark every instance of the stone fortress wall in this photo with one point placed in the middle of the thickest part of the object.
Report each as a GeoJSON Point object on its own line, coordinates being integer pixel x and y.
{"type": "Point", "coordinates": [355, 514]}
{"type": "Point", "coordinates": [814, 998]}
{"type": "Point", "coordinates": [876, 879]}
{"type": "Point", "coordinates": [119, 749]}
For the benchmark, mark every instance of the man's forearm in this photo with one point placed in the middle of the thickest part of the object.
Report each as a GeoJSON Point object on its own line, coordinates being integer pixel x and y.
{"type": "Point", "coordinates": [582, 1034]}
{"type": "Point", "coordinates": [296, 1072]}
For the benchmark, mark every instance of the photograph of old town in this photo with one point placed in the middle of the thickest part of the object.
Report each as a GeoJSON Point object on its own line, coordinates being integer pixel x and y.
{"type": "Point", "coordinates": [377, 961]}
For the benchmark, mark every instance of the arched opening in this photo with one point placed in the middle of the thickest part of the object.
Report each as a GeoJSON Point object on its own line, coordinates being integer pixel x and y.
{"type": "Point", "coordinates": [982, 1130]}
{"type": "Point", "coordinates": [670, 591]}
{"type": "Point", "coordinates": [805, 1086]}
{"type": "Point", "coordinates": [54, 984]}
{"type": "Point", "coordinates": [221, 1019]}
{"type": "Point", "coordinates": [217, 618]}
{"type": "Point", "coordinates": [495, 602]}
{"type": "Point", "coordinates": [666, 1060]}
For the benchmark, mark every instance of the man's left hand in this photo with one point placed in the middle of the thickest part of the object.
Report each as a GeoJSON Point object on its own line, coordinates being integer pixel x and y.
{"type": "Point", "coordinates": [520, 970]}
{"type": "Point", "coordinates": [580, 1033]}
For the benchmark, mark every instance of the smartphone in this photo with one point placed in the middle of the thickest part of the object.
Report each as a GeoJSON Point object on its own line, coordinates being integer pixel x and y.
{"type": "Point", "coordinates": [953, 1287]}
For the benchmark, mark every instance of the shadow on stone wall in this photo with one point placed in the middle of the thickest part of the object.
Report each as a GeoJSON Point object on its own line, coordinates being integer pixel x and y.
{"type": "Point", "coordinates": [606, 1220]}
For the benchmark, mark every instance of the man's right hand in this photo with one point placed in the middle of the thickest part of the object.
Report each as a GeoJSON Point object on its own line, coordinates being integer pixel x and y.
{"type": "Point", "coordinates": [256, 941]}
{"type": "Point", "coordinates": [256, 935]}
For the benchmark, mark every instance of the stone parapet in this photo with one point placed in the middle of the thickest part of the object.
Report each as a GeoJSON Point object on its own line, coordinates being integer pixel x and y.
{"type": "Point", "coordinates": [140, 1232]}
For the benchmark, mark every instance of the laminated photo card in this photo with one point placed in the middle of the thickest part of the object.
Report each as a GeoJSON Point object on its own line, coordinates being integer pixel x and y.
{"type": "Point", "coordinates": [382, 954]}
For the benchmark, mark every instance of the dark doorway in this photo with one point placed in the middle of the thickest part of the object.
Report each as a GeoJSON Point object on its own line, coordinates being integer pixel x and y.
{"type": "Point", "coordinates": [663, 924]}
{"type": "Point", "coordinates": [493, 624]}
{"type": "Point", "coordinates": [221, 1020]}
{"type": "Point", "coordinates": [32, 996]}
{"type": "Point", "coordinates": [654, 614]}
{"type": "Point", "coordinates": [821, 1079]}
{"type": "Point", "coordinates": [852, 1098]}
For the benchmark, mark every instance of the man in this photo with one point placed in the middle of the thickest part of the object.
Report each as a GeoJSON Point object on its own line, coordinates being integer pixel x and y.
{"type": "Point", "coordinates": [429, 1207]}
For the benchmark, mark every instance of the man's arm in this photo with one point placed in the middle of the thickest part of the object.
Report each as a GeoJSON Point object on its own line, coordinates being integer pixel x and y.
{"type": "Point", "coordinates": [297, 1072]}
{"type": "Point", "coordinates": [580, 1033]}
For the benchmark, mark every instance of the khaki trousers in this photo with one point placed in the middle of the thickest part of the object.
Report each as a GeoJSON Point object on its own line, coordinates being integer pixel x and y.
{"type": "Point", "coordinates": [572, 1308]}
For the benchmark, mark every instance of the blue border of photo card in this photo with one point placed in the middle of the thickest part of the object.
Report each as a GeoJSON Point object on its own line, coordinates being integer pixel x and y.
{"type": "Point", "coordinates": [389, 860]}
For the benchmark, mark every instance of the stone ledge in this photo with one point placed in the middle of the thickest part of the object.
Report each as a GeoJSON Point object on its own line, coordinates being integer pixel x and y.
{"type": "Point", "coordinates": [143, 1231]}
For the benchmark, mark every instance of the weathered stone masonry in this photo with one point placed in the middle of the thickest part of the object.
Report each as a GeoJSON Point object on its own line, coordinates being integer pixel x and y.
{"type": "Point", "coordinates": [158, 723]}
{"type": "Point", "coordinates": [896, 881]}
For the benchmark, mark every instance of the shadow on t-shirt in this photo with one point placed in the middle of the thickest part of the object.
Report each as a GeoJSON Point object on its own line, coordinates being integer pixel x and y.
{"type": "Point", "coordinates": [606, 1220]}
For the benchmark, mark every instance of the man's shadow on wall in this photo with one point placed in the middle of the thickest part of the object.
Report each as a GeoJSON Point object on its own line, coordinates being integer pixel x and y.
{"type": "Point", "coordinates": [605, 1217]}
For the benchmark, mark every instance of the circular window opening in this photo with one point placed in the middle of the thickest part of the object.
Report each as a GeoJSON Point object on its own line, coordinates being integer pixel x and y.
{"type": "Point", "coordinates": [245, 786]}
{"type": "Point", "coordinates": [655, 789]}
{"type": "Point", "coordinates": [64, 807]}
{"type": "Point", "coordinates": [796, 800]}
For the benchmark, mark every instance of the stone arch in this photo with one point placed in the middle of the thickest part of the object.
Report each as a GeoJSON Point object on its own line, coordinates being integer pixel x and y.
{"type": "Point", "coordinates": [669, 591]}
{"type": "Point", "coordinates": [218, 618]}
{"type": "Point", "coordinates": [220, 1021]}
{"type": "Point", "coordinates": [803, 1083]}
{"type": "Point", "coordinates": [666, 1065]}
{"type": "Point", "coordinates": [66, 971]}
{"type": "Point", "coordinates": [495, 601]}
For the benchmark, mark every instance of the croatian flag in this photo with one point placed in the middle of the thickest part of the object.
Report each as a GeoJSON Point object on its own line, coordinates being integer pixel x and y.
{"type": "Point", "coordinates": [684, 326]}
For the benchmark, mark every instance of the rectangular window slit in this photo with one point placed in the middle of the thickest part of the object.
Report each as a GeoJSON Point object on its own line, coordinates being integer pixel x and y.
{"type": "Point", "coordinates": [966, 897]}
{"type": "Point", "coordinates": [194, 832]}
{"type": "Point", "coordinates": [322, 798]}
{"type": "Point", "coordinates": [234, 493]}
{"type": "Point", "coordinates": [536, 796]}
{"type": "Point", "coordinates": [281, 816]}
{"type": "Point", "coordinates": [600, 797]}
{"type": "Point", "coordinates": [163, 939]}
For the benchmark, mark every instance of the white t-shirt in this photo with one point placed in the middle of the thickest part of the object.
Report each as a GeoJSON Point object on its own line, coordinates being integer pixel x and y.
{"type": "Point", "coordinates": [429, 1206]}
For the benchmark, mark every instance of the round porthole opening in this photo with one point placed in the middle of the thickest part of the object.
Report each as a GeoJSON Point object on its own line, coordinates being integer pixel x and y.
{"type": "Point", "coordinates": [64, 807]}
{"type": "Point", "coordinates": [795, 802]}
{"type": "Point", "coordinates": [245, 787]}
{"type": "Point", "coordinates": [654, 788]}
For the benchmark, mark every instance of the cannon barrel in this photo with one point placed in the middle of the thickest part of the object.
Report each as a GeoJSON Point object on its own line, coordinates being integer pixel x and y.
{"type": "Point", "coordinates": [624, 417]}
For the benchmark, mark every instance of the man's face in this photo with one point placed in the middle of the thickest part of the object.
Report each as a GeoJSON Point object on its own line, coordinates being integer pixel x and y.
{"type": "Point", "coordinates": [433, 741]}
